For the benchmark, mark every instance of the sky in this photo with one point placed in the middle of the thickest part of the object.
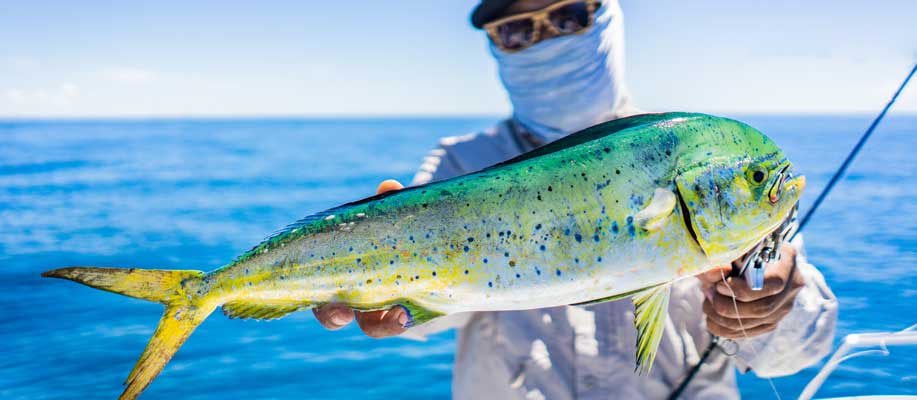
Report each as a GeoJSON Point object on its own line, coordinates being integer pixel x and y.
{"type": "Point", "coordinates": [422, 58]}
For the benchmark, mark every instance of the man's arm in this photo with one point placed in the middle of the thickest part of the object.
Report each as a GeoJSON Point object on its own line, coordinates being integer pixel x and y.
{"type": "Point", "coordinates": [781, 329]}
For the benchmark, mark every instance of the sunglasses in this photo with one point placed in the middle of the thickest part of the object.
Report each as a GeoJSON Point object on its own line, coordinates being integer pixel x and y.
{"type": "Point", "coordinates": [520, 31]}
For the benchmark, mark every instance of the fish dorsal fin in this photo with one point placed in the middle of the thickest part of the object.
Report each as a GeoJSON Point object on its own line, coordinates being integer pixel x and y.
{"type": "Point", "coordinates": [596, 132]}
{"type": "Point", "coordinates": [651, 309]}
{"type": "Point", "coordinates": [661, 206]}
{"type": "Point", "coordinates": [262, 309]}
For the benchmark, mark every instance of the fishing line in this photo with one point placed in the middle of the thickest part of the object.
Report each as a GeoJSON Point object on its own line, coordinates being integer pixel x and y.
{"type": "Point", "coordinates": [805, 220]}
{"type": "Point", "coordinates": [735, 305]}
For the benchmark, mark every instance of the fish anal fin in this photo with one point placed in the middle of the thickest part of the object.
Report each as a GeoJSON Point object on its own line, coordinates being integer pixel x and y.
{"type": "Point", "coordinates": [262, 309]}
{"type": "Point", "coordinates": [654, 214]}
{"type": "Point", "coordinates": [651, 310]}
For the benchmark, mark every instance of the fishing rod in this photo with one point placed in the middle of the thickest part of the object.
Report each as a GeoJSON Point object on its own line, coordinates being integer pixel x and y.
{"type": "Point", "coordinates": [853, 153]}
{"type": "Point", "coordinates": [769, 250]}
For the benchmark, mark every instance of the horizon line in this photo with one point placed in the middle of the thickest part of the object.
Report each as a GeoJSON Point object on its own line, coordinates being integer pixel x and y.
{"type": "Point", "coordinates": [371, 116]}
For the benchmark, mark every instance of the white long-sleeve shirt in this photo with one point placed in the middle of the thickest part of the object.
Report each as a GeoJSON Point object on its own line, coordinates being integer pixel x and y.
{"type": "Point", "coordinates": [588, 352]}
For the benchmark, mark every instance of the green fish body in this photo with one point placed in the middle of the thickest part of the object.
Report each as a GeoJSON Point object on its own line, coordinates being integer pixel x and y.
{"type": "Point", "coordinates": [621, 209]}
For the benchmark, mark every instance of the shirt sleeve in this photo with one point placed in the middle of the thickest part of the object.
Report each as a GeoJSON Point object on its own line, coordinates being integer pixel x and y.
{"type": "Point", "coordinates": [803, 337]}
{"type": "Point", "coordinates": [437, 165]}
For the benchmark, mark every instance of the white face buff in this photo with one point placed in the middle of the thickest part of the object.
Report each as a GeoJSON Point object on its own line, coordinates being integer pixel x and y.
{"type": "Point", "coordinates": [567, 83]}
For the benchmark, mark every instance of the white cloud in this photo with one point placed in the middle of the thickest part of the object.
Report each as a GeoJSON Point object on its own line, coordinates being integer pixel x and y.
{"type": "Point", "coordinates": [129, 74]}
{"type": "Point", "coordinates": [59, 96]}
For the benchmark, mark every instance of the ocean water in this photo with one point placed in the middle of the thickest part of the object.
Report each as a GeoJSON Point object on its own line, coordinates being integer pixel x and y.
{"type": "Point", "coordinates": [196, 193]}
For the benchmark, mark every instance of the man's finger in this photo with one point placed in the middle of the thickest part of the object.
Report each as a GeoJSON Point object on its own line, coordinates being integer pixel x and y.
{"type": "Point", "coordinates": [774, 283]}
{"type": "Point", "coordinates": [715, 274]}
{"type": "Point", "coordinates": [333, 316]}
{"type": "Point", "coordinates": [725, 306]}
{"type": "Point", "coordinates": [383, 323]}
{"type": "Point", "coordinates": [746, 322]}
{"type": "Point", "coordinates": [729, 333]}
{"type": "Point", "coordinates": [777, 277]}
{"type": "Point", "coordinates": [389, 185]}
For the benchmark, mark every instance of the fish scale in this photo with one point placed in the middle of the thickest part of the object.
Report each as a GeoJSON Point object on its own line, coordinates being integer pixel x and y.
{"type": "Point", "coordinates": [621, 209]}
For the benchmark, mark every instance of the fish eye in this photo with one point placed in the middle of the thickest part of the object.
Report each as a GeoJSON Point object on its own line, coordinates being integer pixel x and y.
{"type": "Point", "coordinates": [757, 175]}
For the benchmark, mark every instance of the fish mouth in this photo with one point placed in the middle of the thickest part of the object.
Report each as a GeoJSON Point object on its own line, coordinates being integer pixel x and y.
{"type": "Point", "coordinates": [787, 181]}
{"type": "Point", "coordinates": [796, 184]}
{"type": "Point", "coordinates": [686, 218]}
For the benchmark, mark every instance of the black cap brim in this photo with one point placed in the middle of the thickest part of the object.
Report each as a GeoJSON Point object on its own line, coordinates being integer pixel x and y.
{"type": "Point", "coordinates": [488, 11]}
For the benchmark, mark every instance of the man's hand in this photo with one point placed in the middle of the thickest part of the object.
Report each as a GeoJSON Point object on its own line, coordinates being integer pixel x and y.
{"type": "Point", "coordinates": [760, 310]}
{"type": "Point", "coordinates": [376, 324]}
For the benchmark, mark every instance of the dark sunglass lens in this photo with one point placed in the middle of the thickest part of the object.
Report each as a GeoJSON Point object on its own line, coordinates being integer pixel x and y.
{"type": "Point", "coordinates": [570, 18]}
{"type": "Point", "coordinates": [516, 34]}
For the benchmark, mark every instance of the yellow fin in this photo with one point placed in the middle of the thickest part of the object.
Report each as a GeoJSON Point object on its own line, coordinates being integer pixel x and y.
{"type": "Point", "coordinates": [173, 288]}
{"type": "Point", "coordinates": [175, 326]}
{"type": "Point", "coordinates": [660, 207]}
{"type": "Point", "coordinates": [651, 309]}
{"type": "Point", "coordinates": [250, 309]}
{"type": "Point", "coordinates": [161, 286]}
{"type": "Point", "coordinates": [613, 298]}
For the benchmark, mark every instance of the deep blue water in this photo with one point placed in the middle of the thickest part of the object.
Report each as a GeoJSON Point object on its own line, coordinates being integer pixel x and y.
{"type": "Point", "coordinates": [195, 193]}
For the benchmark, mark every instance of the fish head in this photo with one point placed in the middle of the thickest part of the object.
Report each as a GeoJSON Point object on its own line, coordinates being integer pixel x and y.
{"type": "Point", "coordinates": [735, 197]}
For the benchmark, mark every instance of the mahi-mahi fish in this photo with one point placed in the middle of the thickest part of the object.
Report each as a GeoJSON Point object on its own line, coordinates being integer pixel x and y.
{"type": "Point", "coordinates": [621, 209]}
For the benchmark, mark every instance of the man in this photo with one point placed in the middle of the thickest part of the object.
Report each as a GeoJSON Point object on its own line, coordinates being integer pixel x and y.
{"type": "Point", "coordinates": [561, 63]}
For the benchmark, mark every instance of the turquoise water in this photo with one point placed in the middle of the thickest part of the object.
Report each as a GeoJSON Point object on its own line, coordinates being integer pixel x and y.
{"type": "Point", "coordinates": [195, 193]}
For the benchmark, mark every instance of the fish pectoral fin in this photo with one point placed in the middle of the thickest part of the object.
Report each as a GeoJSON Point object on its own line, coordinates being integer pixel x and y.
{"type": "Point", "coordinates": [613, 298]}
{"type": "Point", "coordinates": [651, 309]}
{"type": "Point", "coordinates": [661, 206]}
{"type": "Point", "coordinates": [249, 309]}
{"type": "Point", "coordinates": [418, 315]}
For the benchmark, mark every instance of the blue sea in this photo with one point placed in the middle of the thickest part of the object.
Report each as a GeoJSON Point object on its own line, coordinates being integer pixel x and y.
{"type": "Point", "coordinates": [196, 193]}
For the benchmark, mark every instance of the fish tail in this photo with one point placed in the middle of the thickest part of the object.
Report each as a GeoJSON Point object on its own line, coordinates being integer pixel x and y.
{"type": "Point", "coordinates": [184, 311]}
